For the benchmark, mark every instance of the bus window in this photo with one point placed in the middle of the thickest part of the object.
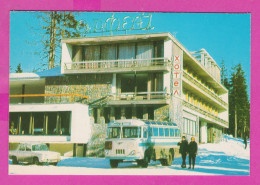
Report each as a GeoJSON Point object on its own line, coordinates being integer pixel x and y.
{"type": "Point", "coordinates": [150, 132]}
{"type": "Point", "coordinates": [161, 133]}
{"type": "Point", "coordinates": [177, 133]}
{"type": "Point", "coordinates": [131, 132]}
{"type": "Point", "coordinates": [166, 131]}
{"type": "Point", "coordinates": [155, 131]}
{"type": "Point", "coordinates": [144, 132]}
{"type": "Point", "coordinates": [114, 132]}
{"type": "Point", "coordinates": [171, 132]}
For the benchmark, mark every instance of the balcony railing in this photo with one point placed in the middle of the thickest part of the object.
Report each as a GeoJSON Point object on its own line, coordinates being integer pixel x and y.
{"type": "Point", "coordinates": [204, 88]}
{"type": "Point", "coordinates": [141, 96]}
{"type": "Point", "coordinates": [117, 64]}
{"type": "Point", "coordinates": [208, 114]}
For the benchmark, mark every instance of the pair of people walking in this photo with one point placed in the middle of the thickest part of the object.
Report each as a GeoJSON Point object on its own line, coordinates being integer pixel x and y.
{"type": "Point", "coordinates": [188, 148]}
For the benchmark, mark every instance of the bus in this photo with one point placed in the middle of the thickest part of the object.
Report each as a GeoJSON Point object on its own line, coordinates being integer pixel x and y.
{"type": "Point", "coordinates": [134, 140]}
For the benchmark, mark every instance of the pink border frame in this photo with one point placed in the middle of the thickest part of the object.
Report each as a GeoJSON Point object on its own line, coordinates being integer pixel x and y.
{"type": "Point", "coordinates": [234, 6]}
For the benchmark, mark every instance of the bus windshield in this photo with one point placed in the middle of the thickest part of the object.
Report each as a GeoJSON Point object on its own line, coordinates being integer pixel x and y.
{"type": "Point", "coordinates": [114, 132]}
{"type": "Point", "coordinates": [131, 132]}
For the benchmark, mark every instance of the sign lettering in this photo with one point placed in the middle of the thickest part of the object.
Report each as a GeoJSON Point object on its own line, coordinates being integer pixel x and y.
{"type": "Point", "coordinates": [142, 22]}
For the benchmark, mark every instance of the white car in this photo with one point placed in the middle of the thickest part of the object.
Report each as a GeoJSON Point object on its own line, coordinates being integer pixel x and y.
{"type": "Point", "coordinates": [36, 153]}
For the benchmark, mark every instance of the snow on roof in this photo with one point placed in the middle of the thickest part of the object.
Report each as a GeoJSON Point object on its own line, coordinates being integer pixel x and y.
{"type": "Point", "coordinates": [23, 75]}
{"type": "Point", "coordinates": [47, 73]}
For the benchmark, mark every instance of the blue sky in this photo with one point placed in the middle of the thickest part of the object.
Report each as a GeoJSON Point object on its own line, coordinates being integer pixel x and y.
{"type": "Point", "coordinates": [225, 36]}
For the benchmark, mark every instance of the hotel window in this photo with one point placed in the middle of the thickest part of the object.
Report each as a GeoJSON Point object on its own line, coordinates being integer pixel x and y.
{"type": "Point", "coordinates": [41, 123]}
{"type": "Point", "coordinates": [92, 53]}
{"type": "Point", "coordinates": [145, 51]}
{"type": "Point", "coordinates": [77, 54]}
{"type": "Point", "coordinates": [126, 51]}
{"type": "Point", "coordinates": [196, 101]}
{"type": "Point", "coordinates": [109, 52]}
{"type": "Point", "coordinates": [191, 99]}
{"type": "Point", "coordinates": [186, 96]}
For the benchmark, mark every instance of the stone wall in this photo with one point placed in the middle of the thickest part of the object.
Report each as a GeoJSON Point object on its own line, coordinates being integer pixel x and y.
{"type": "Point", "coordinates": [97, 142]}
{"type": "Point", "coordinates": [95, 86]}
{"type": "Point", "coordinates": [162, 113]}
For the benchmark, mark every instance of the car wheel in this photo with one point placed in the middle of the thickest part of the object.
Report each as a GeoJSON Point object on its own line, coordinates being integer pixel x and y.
{"type": "Point", "coordinates": [54, 164]}
{"type": "Point", "coordinates": [36, 161]}
{"type": "Point", "coordinates": [114, 163]}
{"type": "Point", "coordinates": [14, 160]}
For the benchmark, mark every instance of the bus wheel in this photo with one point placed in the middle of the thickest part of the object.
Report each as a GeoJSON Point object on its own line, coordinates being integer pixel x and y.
{"type": "Point", "coordinates": [14, 160]}
{"type": "Point", "coordinates": [169, 160]}
{"type": "Point", "coordinates": [113, 163]}
{"type": "Point", "coordinates": [143, 163]}
{"type": "Point", "coordinates": [172, 153]}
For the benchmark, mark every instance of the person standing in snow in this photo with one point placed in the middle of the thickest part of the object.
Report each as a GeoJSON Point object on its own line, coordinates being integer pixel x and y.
{"type": "Point", "coordinates": [183, 150]}
{"type": "Point", "coordinates": [245, 141]}
{"type": "Point", "coordinates": [193, 148]}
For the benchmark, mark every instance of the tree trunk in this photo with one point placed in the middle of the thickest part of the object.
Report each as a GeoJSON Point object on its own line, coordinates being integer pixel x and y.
{"type": "Point", "coordinates": [235, 121]}
{"type": "Point", "coordinates": [52, 40]}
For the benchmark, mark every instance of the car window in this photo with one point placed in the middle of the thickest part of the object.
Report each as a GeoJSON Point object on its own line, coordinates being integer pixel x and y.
{"type": "Point", "coordinates": [39, 148]}
{"type": "Point", "coordinates": [21, 147]}
{"type": "Point", "coordinates": [28, 148]}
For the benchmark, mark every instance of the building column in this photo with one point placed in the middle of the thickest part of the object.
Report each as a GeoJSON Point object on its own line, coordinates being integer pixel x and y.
{"type": "Point", "coordinates": [145, 113]}
{"type": "Point", "coordinates": [149, 86]}
{"type": "Point", "coordinates": [19, 124]}
{"type": "Point", "coordinates": [203, 132]}
{"type": "Point", "coordinates": [123, 113]}
{"type": "Point", "coordinates": [102, 117]}
{"type": "Point", "coordinates": [113, 89]}
{"type": "Point", "coordinates": [98, 116]}
{"type": "Point", "coordinates": [112, 114]}
{"type": "Point", "coordinates": [134, 112]}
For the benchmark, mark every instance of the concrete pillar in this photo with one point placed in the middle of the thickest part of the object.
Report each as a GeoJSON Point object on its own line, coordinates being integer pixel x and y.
{"type": "Point", "coordinates": [167, 82]}
{"type": "Point", "coordinates": [112, 114]}
{"type": "Point", "coordinates": [203, 132]}
{"type": "Point", "coordinates": [123, 113]}
{"type": "Point", "coordinates": [19, 124]}
{"type": "Point", "coordinates": [145, 113]}
{"type": "Point", "coordinates": [149, 85]}
{"type": "Point", "coordinates": [113, 90]}
{"type": "Point", "coordinates": [102, 117]}
{"type": "Point", "coordinates": [46, 118]}
{"type": "Point", "coordinates": [134, 112]}
{"type": "Point", "coordinates": [98, 116]}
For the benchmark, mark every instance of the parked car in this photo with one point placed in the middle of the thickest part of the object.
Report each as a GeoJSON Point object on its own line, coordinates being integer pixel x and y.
{"type": "Point", "coordinates": [36, 153]}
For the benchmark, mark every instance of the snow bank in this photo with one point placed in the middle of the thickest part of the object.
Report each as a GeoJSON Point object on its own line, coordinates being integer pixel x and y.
{"type": "Point", "coordinates": [229, 146]}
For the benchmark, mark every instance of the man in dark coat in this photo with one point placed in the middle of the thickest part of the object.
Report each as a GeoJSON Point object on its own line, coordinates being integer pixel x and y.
{"type": "Point", "coordinates": [193, 148]}
{"type": "Point", "coordinates": [183, 150]}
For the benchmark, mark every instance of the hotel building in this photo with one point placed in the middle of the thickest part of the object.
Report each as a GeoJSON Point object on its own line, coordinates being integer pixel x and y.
{"type": "Point", "coordinates": [143, 76]}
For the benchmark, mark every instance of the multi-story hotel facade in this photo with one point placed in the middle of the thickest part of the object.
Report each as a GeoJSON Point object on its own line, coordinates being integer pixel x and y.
{"type": "Point", "coordinates": [143, 76]}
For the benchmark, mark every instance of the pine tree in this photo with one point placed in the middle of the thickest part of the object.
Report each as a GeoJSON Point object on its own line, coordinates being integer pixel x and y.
{"type": "Point", "coordinates": [55, 26]}
{"type": "Point", "coordinates": [224, 75]}
{"type": "Point", "coordinates": [19, 68]}
{"type": "Point", "coordinates": [239, 107]}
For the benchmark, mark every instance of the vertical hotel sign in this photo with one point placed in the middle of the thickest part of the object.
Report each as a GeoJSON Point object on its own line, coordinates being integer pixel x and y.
{"type": "Point", "coordinates": [177, 76]}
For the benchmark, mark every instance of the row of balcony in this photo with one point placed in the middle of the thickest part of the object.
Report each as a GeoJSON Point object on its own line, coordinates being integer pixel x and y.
{"type": "Point", "coordinates": [204, 88]}
{"type": "Point", "coordinates": [117, 64]}
{"type": "Point", "coordinates": [203, 112]}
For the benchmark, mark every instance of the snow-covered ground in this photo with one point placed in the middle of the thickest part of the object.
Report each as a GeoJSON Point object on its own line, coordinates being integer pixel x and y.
{"type": "Point", "coordinates": [226, 158]}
